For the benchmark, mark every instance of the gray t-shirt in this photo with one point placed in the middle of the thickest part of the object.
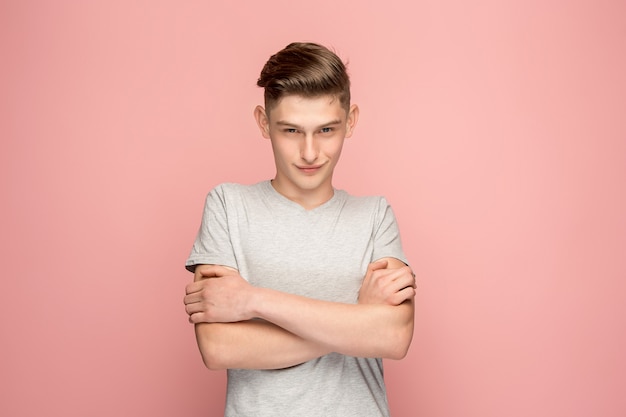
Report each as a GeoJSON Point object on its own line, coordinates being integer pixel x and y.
{"type": "Point", "coordinates": [321, 253]}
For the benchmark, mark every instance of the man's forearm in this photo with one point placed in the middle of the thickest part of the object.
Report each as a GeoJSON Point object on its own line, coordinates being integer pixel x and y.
{"type": "Point", "coordinates": [253, 344]}
{"type": "Point", "coordinates": [295, 329]}
{"type": "Point", "coordinates": [365, 330]}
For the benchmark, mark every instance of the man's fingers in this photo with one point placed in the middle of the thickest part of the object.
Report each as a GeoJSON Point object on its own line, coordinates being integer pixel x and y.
{"type": "Point", "coordinates": [407, 293]}
{"type": "Point", "coordinates": [195, 318]}
{"type": "Point", "coordinates": [405, 280]}
{"type": "Point", "coordinates": [194, 297]}
{"type": "Point", "coordinates": [208, 271]}
{"type": "Point", "coordinates": [193, 308]}
{"type": "Point", "coordinates": [403, 275]}
{"type": "Point", "coordinates": [193, 287]}
{"type": "Point", "coordinates": [198, 283]}
{"type": "Point", "coordinates": [375, 266]}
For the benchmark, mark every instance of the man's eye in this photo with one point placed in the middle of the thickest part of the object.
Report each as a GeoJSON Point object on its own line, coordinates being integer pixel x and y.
{"type": "Point", "coordinates": [327, 129]}
{"type": "Point", "coordinates": [291, 130]}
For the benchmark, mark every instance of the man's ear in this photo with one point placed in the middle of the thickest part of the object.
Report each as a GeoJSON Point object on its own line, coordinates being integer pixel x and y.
{"type": "Point", "coordinates": [262, 121]}
{"type": "Point", "coordinates": [353, 117]}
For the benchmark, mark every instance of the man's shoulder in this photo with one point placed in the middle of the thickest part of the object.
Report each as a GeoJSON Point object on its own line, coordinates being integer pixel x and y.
{"type": "Point", "coordinates": [364, 200]}
{"type": "Point", "coordinates": [232, 189]}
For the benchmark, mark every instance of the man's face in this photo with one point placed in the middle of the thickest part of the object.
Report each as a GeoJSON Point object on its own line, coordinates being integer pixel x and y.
{"type": "Point", "coordinates": [307, 136]}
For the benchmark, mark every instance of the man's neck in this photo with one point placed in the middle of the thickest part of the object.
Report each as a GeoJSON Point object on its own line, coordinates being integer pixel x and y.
{"type": "Point", "coordinates": [308, 199]}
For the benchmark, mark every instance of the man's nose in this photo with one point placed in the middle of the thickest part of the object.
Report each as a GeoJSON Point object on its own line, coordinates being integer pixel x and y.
{"type": "Point", "coordinates": [309, 149]}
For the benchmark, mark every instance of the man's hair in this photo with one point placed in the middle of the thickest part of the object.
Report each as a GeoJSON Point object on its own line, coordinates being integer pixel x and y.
{"type": "Point", "coordinates": [304, 69]}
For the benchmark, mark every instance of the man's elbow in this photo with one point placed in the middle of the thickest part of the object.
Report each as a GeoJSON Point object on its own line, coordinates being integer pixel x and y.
{"type": "Point", "coordinates": [399, 343]}
{"type": "Point", "coordinates": [401, 334]}
{"type": "Point", "coordinates": [211, 350]}
{"type": "Point", "coordinates": [212, 361]}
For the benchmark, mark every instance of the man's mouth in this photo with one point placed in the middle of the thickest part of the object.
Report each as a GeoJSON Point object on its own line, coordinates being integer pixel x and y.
{"type": "Point", "coordinates": [309, 169]}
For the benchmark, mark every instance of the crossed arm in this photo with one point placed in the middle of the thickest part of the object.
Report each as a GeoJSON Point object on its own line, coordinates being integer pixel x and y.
{"type": "Point", "coordinates": [242, 326]}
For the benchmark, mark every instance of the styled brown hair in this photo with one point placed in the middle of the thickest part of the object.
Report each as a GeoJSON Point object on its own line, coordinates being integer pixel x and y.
{"type": "Point", "coordinates": [304, 69]}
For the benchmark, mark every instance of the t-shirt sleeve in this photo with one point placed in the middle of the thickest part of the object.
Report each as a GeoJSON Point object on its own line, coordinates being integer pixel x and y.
{"type": "Point", "coordinates": [212, 244]}
{"type": "Point", "coordinates": [387, 241]}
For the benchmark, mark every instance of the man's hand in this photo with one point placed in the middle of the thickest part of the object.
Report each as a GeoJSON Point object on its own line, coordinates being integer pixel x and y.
{"type": "Point", "coordinates": [218, 295]}
{"type": "Point", "coordinates": [383, 285]}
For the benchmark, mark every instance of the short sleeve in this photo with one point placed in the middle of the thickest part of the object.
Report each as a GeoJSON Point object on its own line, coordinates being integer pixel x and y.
{"type": "Point", "coordinates": [387, 241]}
{"type": "Point", "coordinates": [213, 244]}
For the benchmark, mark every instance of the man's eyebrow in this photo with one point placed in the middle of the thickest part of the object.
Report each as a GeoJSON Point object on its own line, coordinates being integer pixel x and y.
{"type": "Point", "coordinates": [332, 122]}
{"type": "Point", "coordinates": [286, 123]}
{"type": "Point", "coordinates": [289, 124]}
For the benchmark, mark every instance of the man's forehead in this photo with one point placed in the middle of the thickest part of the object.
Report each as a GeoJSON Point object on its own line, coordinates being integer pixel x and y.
{"type": "Point", "coordinates": [323, 109]}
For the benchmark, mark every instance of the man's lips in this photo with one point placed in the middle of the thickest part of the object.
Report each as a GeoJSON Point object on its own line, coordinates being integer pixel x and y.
{"type": "Point", "coordinates": [309, 168]}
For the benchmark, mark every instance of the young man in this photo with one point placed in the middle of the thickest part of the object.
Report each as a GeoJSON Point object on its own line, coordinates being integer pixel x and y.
{"type": "Point", "coordinates": [299, 288]}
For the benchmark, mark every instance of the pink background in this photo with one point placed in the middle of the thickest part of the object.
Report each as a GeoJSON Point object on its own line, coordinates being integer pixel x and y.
{"type": "Point", "coordinates": [496, 129]}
